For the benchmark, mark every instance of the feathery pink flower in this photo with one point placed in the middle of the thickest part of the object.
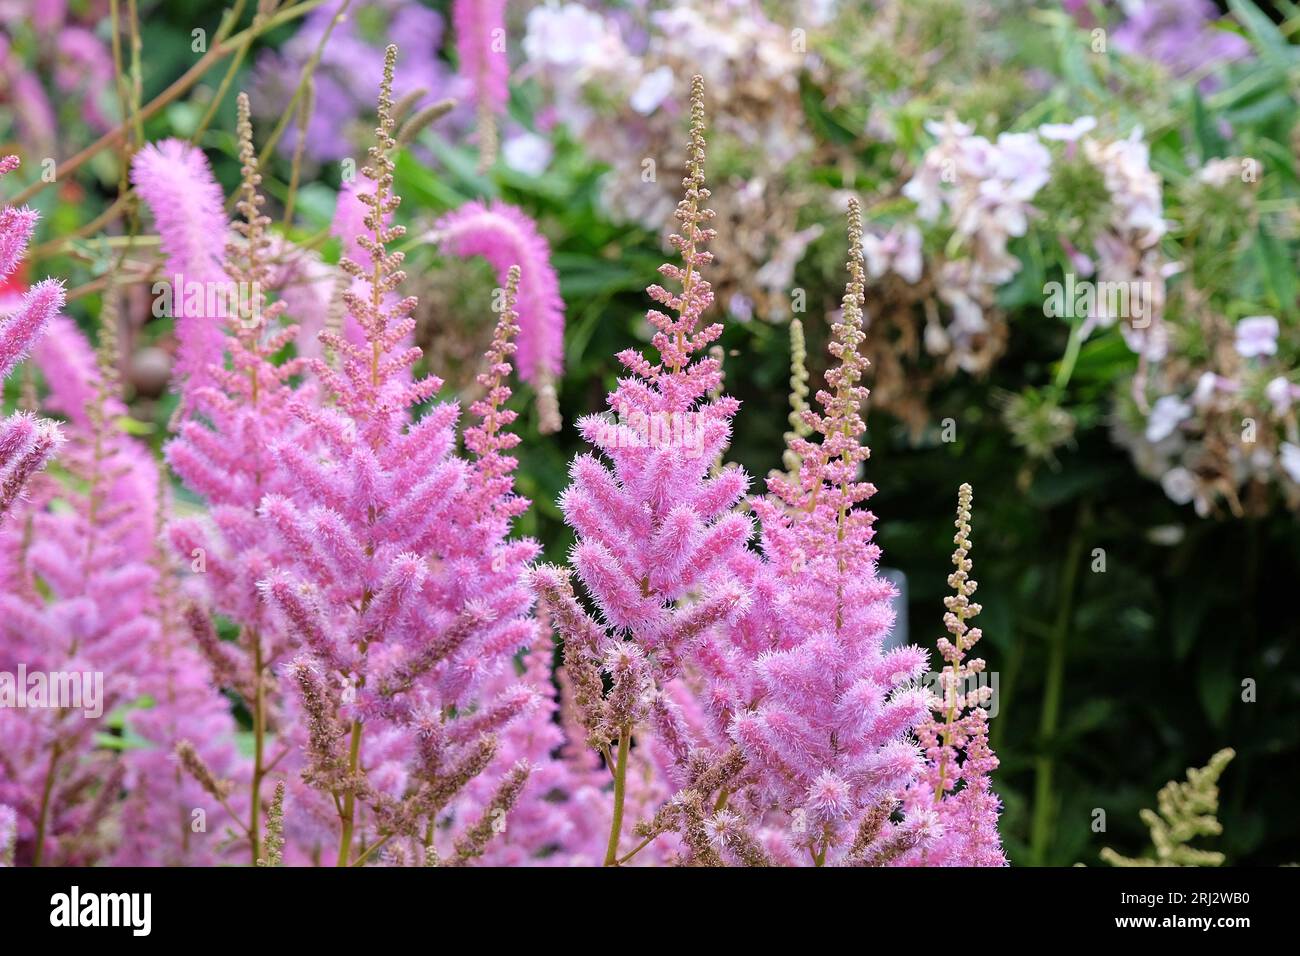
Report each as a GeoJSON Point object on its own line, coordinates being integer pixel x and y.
{"type": "Point", "coordinates": [822, 712]}
{"type": "Point", "coordinates": [26, 443]}
{"type": "Point", "coordinates": [656, 535]}
{"type": "Point", "coordinates": [224, 454]}
{"type": "Point", "coordinates": [399, 587]}
{"type": "Point", "coordinates": [81, 596]}
{"type": "Point", "coordinates": [177, 185]}
{"type": "Point", "coordinates": [506, 236]}
{"type": "Point", "coordinates": [480, 27]}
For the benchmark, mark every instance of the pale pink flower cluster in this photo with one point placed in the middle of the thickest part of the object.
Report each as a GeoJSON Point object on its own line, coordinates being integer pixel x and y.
{"type": "Point", "coordinates": [985, 191]}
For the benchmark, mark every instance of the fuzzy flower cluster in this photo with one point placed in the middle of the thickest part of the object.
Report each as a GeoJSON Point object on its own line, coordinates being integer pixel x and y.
{"type": "Point", "coordinates": [804, 684]}
{"type": "Point", "coordinates": [656, 537]}
{"type": "Point", "coordinates": [26, 443]}
{"type": "Point", "coordinates": [175, 182]}
{"type": "Point", "coordinates": [743, 699]}
{"type": "Point", "coordinates": [86, 601]}
{"type": "Point", "coordinates": [353, 579]}
{"type": "Point", "coordinates": [397, 586]}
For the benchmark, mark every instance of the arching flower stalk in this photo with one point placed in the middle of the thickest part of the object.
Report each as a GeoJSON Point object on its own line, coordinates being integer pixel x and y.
{"type": "Point", "coordinates": [176, 183]}
{"type": "Point", "coordinates": [505, 236]}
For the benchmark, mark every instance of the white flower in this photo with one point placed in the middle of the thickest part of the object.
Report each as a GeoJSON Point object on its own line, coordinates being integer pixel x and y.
{"type": "Point", "coordinates": [741, 307]}
{"type": "Point", "coordinates": [1179, 485]}
{"type": "Point", "coordinates": [777, 274]}
{"type": "Point", "coordinates": [1068, 132]}
{"type": "Point", "coordinates": [652, 90]}
{"type": "Point", "coordinates": [527, 153]}
{"type": "Point", "coordinates": [1256, 335]}
{"type": "Point", "coordinates": [1166, 414]}
{"type": "Point", "coordinates": [1288, 456]}
{"type": "Point", "coordinates": [1281, 393]}
{"type": "Point", "coordinates": [898, 251]}
{"type": "Point", "coordinates": [1023, 163]}
{"type": "Point", "coordinates": [568, 35]}
{"type": "Point", "coordinates": [1219, 172]}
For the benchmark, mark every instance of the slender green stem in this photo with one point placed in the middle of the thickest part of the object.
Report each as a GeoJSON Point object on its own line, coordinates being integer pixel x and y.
{"type": "Point", "coordinates": [241, 51]}
{"type": "Point", "coordinates": [376, 846]}
{"type": "Point", "coordinates": [1066, 368]}
{"type": "Point", "coordinates": [620, 792]}
{"type": "Point", "coordinates": [43, 820]}
{"type": "Point", "coordinates": [304, 78]}
{"type": "Point", "coordinates": [259, 749]}
{"type": "Point", "coordinates": [1044, 798]}
{"type": "Point", "coordinates": [350, 798]}
{"type": "Point", "coordinates": [637, 849]}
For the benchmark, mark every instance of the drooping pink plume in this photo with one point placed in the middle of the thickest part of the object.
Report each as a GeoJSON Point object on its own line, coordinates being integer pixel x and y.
{"type": "Point", "coordinates": [176, 183]}
{"type": "Point", "coordinates": [506, 236]}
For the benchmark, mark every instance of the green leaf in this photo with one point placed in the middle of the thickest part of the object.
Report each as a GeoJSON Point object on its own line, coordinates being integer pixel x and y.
{"type": "Point", "coordinates": [1269, 40]}
{"type": "Point", "coordinates": [133, 426]}
{"type": "Point", "coordinates": [1278, 270]}
{"type": "Point", "coordinates": [1208, 140]}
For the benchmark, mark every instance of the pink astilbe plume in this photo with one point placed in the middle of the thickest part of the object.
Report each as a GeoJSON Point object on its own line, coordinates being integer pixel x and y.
{"type": "Point", "coordinates": [505, 236]}
{"type": "Point", "coordinates": [26, 443]}
{"type": "Point", "coordinates": [537, 822]}
{"type": "Point", "coordinates": [222, 453]}
{"type": "Point", "coordinates": [656, 531]}
{"type": "Point", "coordinates": [399, 586]}
{"type": "Point", "coordinates": [959, 760]}
{"type": "Point", "coordinates": [81, 596]}
{"type": "Point", "coordinates": [177, 185]}
{"type": "Point", "coordinates": [191, 761]}
{"type": "Point", "coordinates": [821, 710]}
{"type": "Point", "coordinates": [480, 27]}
